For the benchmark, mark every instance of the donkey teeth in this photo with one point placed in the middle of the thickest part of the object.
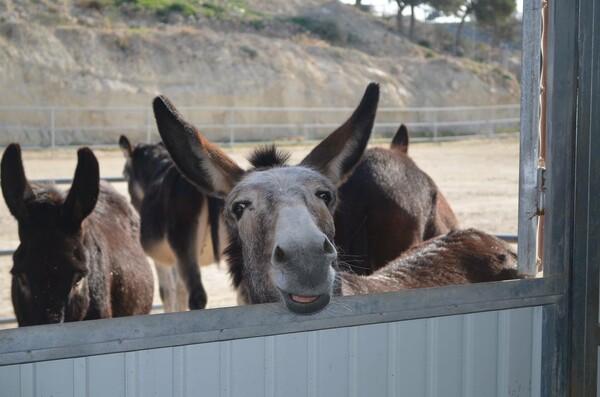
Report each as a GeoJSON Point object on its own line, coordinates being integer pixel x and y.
{"type": "Point", "coordinates": [303, 299]}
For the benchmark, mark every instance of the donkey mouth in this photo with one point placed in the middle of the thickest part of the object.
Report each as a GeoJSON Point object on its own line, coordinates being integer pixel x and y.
{"type": "Point", "coordinates": [305, 305]}
{"type": "Point", "coordinates": [303, 299]}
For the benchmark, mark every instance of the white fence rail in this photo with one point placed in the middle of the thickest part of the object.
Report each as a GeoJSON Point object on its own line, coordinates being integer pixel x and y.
{"type": "Point", "coordinates": [52, 126]}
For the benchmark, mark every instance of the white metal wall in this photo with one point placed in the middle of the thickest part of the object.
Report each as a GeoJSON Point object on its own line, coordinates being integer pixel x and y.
{"type": "Point", "coordinates": [484, 354]}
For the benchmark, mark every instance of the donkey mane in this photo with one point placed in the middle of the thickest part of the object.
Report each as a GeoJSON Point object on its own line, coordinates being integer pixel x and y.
{"type": "Point", "coordinates": [45, 194]}
{"type": "Point", "coordinates": [268, 156]}
{"type": "Point", "coordinates": [48, 194]}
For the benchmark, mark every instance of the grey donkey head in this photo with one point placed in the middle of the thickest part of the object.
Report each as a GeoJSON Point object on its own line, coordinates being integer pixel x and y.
{"type": "Point", "coordinates": [280, 217]}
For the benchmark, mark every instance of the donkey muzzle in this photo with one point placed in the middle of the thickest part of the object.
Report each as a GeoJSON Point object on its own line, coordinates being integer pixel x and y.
{"type": "Point", "coordinates": [301, 259]}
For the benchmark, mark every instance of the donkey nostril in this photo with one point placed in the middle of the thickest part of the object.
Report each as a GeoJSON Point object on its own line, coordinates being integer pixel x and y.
{"type": "Point", "coordinates": [279, 254]}
{"type": "Point", "coordinates": [328, 247]}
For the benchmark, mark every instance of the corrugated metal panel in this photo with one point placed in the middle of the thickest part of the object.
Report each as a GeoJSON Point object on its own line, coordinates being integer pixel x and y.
{"type": "Point", "coordinates": [332, 358]}
{"type": "Point", "coordinates": [474, 355]}
{"type": "Point", "coordinates": [411, 363]}
{"type": "Point", "coordinates": [519, 346]}
{"type": "Point", "coordinates": [371, 364]}
{"type": "Point", "coordinates": [482, 337]}
{"type": "Point", "coordinates": [53, 378]}
{"type": "Point", "coordinates": [448, 366]}
{"type": "Point", "coordinates": [247, 367]}
{"type": "Point", "coordinates": [10, 379]}
{"type": "Point", "coordinates": [291, 364]}
{"type": "Point", "coordinates": [110, 378]}
{"type": "Point", "coordinates": [201, 370]}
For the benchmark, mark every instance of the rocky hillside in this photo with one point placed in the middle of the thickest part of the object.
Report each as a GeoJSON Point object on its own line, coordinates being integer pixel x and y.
{"type": "Point", "coordinates": [242, 52]}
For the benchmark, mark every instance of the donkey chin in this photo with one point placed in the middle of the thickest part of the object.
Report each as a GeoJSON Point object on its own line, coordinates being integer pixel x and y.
{"type": "Point", "coordinates": [305, 292]}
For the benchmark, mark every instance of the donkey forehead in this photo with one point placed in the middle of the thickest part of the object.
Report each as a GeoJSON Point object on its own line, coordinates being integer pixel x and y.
{"type": "Point", "coordinates": [145, 150]}
{"type": "Point", "coordinates": [141, 155]}
{"type": "Point", "coordinates": [45, 205]}
{"type": "Point", "coordinates": [282, 181]}
{"type": "Point", "coordinates": [44, 214]}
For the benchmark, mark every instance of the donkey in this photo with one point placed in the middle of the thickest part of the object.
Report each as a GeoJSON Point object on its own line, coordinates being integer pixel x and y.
{"type": "Point", "coordinates": [79, 256]}
{"type": "Point", "coordinates": [175, 218]}
{"type": "Point", "coordinates": [387, 205]}
{"type": "Point", "coordinates": [280, 219]}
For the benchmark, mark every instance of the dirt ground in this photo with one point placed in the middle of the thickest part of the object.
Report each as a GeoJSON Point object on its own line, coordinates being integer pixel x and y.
{"type": "Point", "coordinates": [478, 177]}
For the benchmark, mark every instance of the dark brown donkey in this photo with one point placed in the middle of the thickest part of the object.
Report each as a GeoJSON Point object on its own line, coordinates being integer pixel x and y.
{"type": "Point", "coordinates": [280, 219]}
{"type": "Point", "coordinates": [79, 256]}
{"type": "Point", "coordinates": [387, 205]}
{"type": "Point", "coordinates": [175, 218]}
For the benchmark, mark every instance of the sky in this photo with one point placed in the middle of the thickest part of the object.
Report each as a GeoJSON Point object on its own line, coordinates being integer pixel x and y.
{"type": "Point", "coordinates": [386, 7]}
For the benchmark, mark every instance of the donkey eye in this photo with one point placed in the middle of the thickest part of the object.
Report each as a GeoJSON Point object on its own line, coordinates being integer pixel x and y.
{"type": "Point", "coordinates": [325, 196]}
{"type": "Point", "coordinates": [77, 277]}
{"type": "Point", "coordinates": [238, 209]}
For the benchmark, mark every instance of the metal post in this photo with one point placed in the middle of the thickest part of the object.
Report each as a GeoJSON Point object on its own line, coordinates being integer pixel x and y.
{"type": "Point", "coordinates": [435, 126]}
{"type": "Point", "coordinates": [562, 87]}
{"type": "Point", "coordinates": [52, 131]}
{"type": "Point", "coordinates": [148, 126]}
{"type": "Point", "coordinates": [492, 123]}
{"type": "Point", "coordinates": [304, 129]}
{"type": "Point", "coordinates": [231, 127]}
{"type": "Point", "coordinates": [529, 137]}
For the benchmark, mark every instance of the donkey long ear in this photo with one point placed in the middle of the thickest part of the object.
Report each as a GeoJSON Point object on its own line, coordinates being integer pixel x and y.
{"type": "Point", "coordinates": [400, 140]}
{"type": "Point", "coordinates": [126, 147]}
{"type": "Point", "coordinates": [15, 187]}
{"type": "Point", "coordinates": [342, 149]}
{"type": "Point", "coordinates": [199, 160]}
{"type": "Point", "coordinates": [82, 197]}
